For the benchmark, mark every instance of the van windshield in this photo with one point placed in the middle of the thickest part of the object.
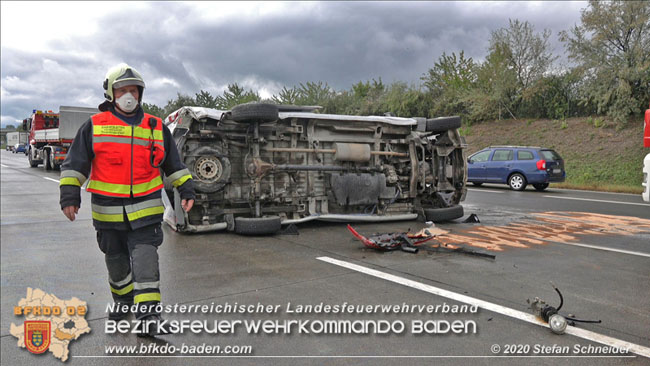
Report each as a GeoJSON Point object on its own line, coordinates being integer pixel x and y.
{"type": "Point", "coordinates": [550, 155]}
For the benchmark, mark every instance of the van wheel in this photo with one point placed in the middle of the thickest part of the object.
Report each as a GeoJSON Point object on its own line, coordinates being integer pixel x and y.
{"type": "Point", "coordinates": [255, 112]}
{"type": "Point", "coordinates": [257, 225]}
{"type": "Point", "coordinates": [517, 182]}
{"type": "Point", "coordinates": [442, 124]}
{"type": "Point", "coordinates": [443, 214]}
{"type": "Point", "coordinates": [540, 186]}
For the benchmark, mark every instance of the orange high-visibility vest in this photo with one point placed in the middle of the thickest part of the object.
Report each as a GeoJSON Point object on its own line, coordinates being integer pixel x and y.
{"type": "Point", "coordinates": [121, 167]}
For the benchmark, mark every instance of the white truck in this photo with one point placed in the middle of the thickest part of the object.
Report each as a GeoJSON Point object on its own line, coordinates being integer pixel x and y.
{"type": "Point", "coordinates": [14, 138]}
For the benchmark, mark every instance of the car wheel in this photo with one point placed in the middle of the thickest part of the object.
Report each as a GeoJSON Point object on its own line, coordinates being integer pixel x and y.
{"type": "Point", "coordinates": [257, 225]}
{"type": "Point", "coordinates": [48, 165]}
{"type": "Point", "coordinates": [255, 112]}
{"type": "Point", "coordinates": [443, 124]}
{"type": "Point", "coordinates": [478, 184]}
{"type": "Point", "coordinates": [517, 182]}
{"type": "Point", "coordinates": [540, 186]}
{"type": "Point", "coordinates": [443, 214]}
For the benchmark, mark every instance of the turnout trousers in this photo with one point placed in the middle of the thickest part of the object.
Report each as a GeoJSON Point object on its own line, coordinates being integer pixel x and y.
{"type": "Point", "coordinates": [132, 262]}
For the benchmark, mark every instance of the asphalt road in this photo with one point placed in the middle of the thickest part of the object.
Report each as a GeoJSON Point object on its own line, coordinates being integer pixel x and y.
{"type": "Point", "coordinates": [594, 246]}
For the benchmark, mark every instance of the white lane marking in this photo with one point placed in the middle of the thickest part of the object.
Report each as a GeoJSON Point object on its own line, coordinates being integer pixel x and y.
{"type": "Point", "coordinates": [602, 248]}
{"type": "Point", "coordinates": [52, 179]}
{"type": "Point", "coordinates": [2, 165]}
{"type": "Point", "coordinates": [530, 318]}
{"type": "Point", "coordinates": [483, 190]}
{"type": "Point", "coordinates": [593, 200]}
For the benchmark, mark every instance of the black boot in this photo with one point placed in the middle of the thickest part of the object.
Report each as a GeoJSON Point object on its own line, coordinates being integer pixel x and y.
{"type": "Point", "coordinates": [152, 326]}
{"type": "Point", "coordinates": [120, 311]}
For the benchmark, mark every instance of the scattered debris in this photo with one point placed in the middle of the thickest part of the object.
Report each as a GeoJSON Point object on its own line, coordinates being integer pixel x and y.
{"type": "Point", "coordinates": [411, 243]}
{"type": "Point", "coordinates": [291, 229]}
{"type": "Point", "coordinates": [394, 241]}
{"type": "Point", "coordinates": [552, 316]}
{"type": "Point", "coordinates": [472, 219]}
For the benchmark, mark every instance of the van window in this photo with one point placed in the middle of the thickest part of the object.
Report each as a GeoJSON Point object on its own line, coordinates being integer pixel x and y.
{"type": "Point", "coordinates": [525, 155]}
{"type": "Point", "coordinates": [481, 156]}
{"type": "Point", "coordinates": [502, 155]}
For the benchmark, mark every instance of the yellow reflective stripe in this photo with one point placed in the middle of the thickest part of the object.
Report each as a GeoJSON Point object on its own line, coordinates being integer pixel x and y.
{"type": "Point", "coordinates": [145, 133]}
{"type": "Point", "coordinates": [124, 188]}
{"type": "Point", "coordinates": [121, 140]}
{"type": "Point", "coordinates": [154, 296]}
{"type": "Point", "coordinates": [145, 212]}
{"type": "Point", "coordinates": [122, 291]}
{"type": "Point", "coordinates": [70, 181]}
{"type": "Point", "coordinates": [108, 217]}
{"type": "Point", "coordinates": [127, 131]}
{"type": "Point", "coordinates": [115, 130]}
{"type": "Point", "coordinates": [73, 174]}
{"type": "Point", "coordinates": [177, 174]}
{"type": "Point", "coordinates": [181, 180]}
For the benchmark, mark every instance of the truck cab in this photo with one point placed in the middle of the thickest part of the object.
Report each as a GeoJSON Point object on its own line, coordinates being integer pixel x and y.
{"type": "Point", "coordinates": [50, 134]}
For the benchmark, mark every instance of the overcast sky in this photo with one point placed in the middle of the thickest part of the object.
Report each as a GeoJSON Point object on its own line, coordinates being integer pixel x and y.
{"type": "Point", "coordinates": [57, 53]}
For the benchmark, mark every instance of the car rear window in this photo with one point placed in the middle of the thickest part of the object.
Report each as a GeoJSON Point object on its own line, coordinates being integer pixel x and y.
{"type": "Point", "coordinates": [503, 155]}
{"type": "Point", "coordinates": [525, 155]}
{"type": "Point", "coordinates": [550, 155]}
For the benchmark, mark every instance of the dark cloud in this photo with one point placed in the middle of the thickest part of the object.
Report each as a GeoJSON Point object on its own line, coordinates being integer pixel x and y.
{"type": "Point", "coordinates": [180, 49]}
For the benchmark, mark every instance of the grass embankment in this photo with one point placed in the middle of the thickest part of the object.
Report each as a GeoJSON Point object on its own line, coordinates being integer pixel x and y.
{"type": "Point", "coordinates": [597, 155]}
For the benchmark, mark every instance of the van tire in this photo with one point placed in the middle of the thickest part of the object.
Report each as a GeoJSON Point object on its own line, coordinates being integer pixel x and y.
{"type": "Point", "coordinates": [443, 214]}
{"type": "Point", "coordinates": [442, 124]}
{"type": "Point", "coordinates": [257, 225]}
{"type": "Point", "coordinates": [255, 112]}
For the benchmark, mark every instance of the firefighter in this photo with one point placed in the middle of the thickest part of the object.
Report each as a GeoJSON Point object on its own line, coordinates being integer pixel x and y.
{"type": "Point", "coordinates": [122, 151]}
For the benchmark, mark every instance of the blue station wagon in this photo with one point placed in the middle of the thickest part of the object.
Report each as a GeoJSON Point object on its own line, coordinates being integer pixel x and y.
{"type": "Point", "coordinates": [516, 166]}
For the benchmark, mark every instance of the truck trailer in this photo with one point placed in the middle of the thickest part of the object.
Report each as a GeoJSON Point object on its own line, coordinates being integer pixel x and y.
{"type": "Point", "coordinates": [51, 134]}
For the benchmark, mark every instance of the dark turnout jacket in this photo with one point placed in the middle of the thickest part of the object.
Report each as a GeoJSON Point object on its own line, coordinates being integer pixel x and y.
{"type": "Point", "coordinates": [120, 213]}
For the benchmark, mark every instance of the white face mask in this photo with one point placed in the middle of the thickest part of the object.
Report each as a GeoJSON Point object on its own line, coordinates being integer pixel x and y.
{"type": "Point", "coordinates": [127, 102]}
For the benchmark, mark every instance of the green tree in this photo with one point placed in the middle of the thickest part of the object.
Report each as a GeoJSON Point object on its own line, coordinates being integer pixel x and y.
{"type": "Point", "coordinates": [449, 81]}
{"type": "Point", "coordinates": [205, 99]}
{"type": "Point", "coordinates": [495, 88]}
{"type": "Point", "coordinates": [287, 96]}
{"type": "Point", "coordinates": [314, 93]}
{"type": "Point", "coordinates": [154, 110]}
{"type": "Point", "coordinates": [611, 48]}
{"type": "Point", "coordinates": [181, 100]}
{"type": "Point", "coordinates": [235, 95]}
{"type": "Point", "coordinates": [528, 52]}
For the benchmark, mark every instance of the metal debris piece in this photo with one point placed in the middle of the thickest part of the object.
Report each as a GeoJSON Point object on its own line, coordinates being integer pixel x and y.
{"type": "Point", "coordinates": [394, 241]}
{"type": "Point", "coordinates": [411, 243]}
{"type": "Point", "coordinates": [472, 219]}
{"type": "Point", "coordinates": [556, 321]}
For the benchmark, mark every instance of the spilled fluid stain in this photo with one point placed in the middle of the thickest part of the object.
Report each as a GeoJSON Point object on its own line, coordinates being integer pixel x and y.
{"type": "Point", "coordinates": [545, 227]}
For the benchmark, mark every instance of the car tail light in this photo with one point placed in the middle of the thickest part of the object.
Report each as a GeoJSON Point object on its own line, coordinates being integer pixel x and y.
{"type": "Point", "coordinates": [541, 165]}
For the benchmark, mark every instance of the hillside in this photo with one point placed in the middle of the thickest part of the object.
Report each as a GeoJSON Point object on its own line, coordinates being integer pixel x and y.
{"type": "Point", "coordinates": [596, 158]}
